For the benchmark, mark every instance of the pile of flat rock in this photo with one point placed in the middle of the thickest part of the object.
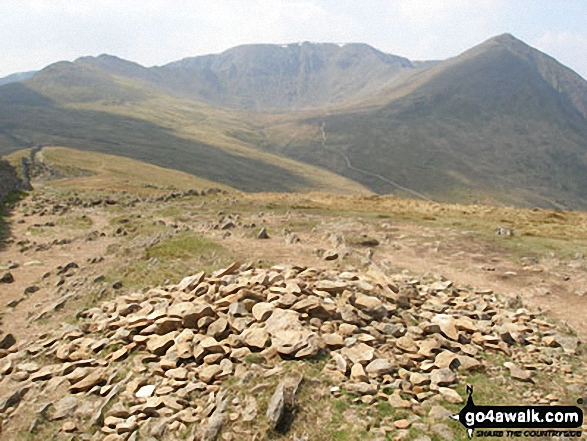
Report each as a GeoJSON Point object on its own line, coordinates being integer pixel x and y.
{"type": "Point", "coordinates": [150, 365]}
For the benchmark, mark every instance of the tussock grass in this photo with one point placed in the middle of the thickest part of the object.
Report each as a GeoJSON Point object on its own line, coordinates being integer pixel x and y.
{"type": "Point", "coordinates": [537, 232]}
{"type": "Point", "coordinates": [170, 259]}
{"type": "Point", "coordinates": [120, 173]}
{"type": "Point", "coordinates": [78, 222]}
{"type": "Point", "coordinates": [184, 246]}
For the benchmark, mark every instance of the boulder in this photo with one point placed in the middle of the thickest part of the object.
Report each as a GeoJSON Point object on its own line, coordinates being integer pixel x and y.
{"type": "Point", "coordinates": [159, 344]}
{"type": "Point", "coordinates": [518, 373]}
{"type": "Point", "coordinates": [7, 341]}
{"type": "Point", "coordinates": [407, 344]}
{"type": "Point", "coordinates": [380, 367]}
{"type": "Point", "coordinates": [145, 391]}
{"type": "Point", "coordinates": [361, 388]}
{"type": "Point", "coordinates": [6, 277]}
{"type": "Point", "coordinates": [190, 312]}
{"type": "Point", "coordinates": [359, 353]}
{"type": "Point", "coordinates": [333, 340]}
{"type": "Point", "coordinates": [255, 338]}
{"type": "Point", "coordinates": [97, 378]}
{"type": "Point", "coordinates": [358, 373]}
{"type": "Point", "coordinates": [371, 306]}
{"type": "Point", "coordinates": [397, 402]}
{"type": "Point", "coordinates": [262, 311]}
{"type": "Point", "coordinates": [450, 395]}
{"type": "Point", "coordinates": [442, 377]}
{"type": "Point", "coordinates": [191, 282]}
{"type": "Point", "coordinates": [208, 372]}
{"type": "Point", "coordinates": [447, 325]}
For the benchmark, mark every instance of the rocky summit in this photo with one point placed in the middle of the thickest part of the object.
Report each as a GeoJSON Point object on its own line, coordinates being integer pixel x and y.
{"type": "Point", "coordinates": [256, 353]}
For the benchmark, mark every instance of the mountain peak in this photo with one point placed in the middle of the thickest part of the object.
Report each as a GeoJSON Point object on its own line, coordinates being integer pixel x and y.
{"type": "Point", "coordinates": [113, 64]}
{"type": "Point", "coordinates": [101, 57]}
{"type": "Point", "coordinates": [502, 115]}
{"type": "Point", "coordinates": [506, 40]}
{"type": "Point", "coordinates": [505, 37]}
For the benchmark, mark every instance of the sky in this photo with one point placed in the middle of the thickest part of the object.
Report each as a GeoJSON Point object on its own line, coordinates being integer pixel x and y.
{"type": "Point", "coordinates": [36, 33]}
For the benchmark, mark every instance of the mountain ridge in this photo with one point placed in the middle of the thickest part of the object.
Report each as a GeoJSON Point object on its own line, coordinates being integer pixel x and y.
{"type": "Point", "coordinates": [502, 122]}
{"type": "Point", "coordinates": [16, 77]}
{"type": "Point", "coordinates": [487, 116]}
{"type": "Point", "coordinates": [268, 76]}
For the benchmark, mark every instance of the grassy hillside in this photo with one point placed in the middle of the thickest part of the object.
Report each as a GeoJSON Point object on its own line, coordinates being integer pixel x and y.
{"type": "Point", "coordinates": [149, 127]}
{"type": "Point", "coordinates": [83, 170]}
{"type": "Point", "coordinates": [486, 126]}
{"type": "Point", "coordinates": [502, 123]}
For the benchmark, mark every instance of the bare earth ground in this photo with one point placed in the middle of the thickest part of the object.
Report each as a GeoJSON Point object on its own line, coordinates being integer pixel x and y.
{"type": "Point", "coordinates": [128, 242]}
{"type": "Point", "coordinates": [555, 284]}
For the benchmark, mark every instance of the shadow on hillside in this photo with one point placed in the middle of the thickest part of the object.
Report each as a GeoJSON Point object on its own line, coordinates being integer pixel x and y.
{"type": "Point", "coordinates": [19, 94]}
{"type": "Point", "coordinates": [45, 123]}
{"type": "Point", "coordinates": [5, 231]}
{"type": "Point", "coordinates": [6, 209]}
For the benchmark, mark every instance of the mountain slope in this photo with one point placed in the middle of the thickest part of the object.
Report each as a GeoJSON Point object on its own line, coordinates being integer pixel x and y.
{"type": "Point", "coordinates": [500, 123]}
{"type": "Point", "coordinates": [85, 170]}
{"type": "Point", "coordinates": [265, 76]}
{"type": "Point", "coordinates": [488, 124]}
{"type": "Point", "coordinates": [20, 76]}
{"type": "Point", "coordinates": [108, 114]}
{"type": "Point", "coordinates": [288, 76]}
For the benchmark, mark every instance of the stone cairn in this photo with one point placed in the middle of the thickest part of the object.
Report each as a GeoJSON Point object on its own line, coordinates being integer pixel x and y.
{"type": "Point", "coordinates": [154, 364]}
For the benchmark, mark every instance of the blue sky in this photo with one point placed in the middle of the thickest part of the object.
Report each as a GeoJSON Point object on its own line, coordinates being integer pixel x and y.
{"type": "Point", "coordinates": [35, 33]}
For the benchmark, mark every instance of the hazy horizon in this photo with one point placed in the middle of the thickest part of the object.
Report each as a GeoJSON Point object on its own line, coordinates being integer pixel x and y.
{"type": "Point", "coordinates": [150, 32]}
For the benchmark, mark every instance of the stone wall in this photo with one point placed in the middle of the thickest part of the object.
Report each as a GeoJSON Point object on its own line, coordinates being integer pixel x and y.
{"type": "Point", "coordinates": [9, 180]}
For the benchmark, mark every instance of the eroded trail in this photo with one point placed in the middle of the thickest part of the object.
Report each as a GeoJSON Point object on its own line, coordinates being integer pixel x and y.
{"type": "Point", "coordinates": [89, 234]}
{"type": "Point", "coordinates": [141, 322]}
{"type": "Point", "coordinates": [350, 166]}
{"type": "Point", "coordinates": [556, 286]}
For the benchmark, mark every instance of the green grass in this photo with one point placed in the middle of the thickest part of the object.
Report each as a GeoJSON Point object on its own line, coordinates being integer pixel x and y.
{"type": "Point", "coordinates": [45, 430]}
{"type": "Point", "coordinates": [13, 197]}
{"type": "Point", "coordinates": [4, 227]}
{"type": "Point", "coordinates": [337, 428]}
{"type": "Point", "coordinates": [171, 259]}
{"type": "Point", "coordinates": [173, 212]}
{"type": "Point", "coordinates": [184, 246]}
{"type": "Point", "coordinates": [37, 231]}
{"type": "Point", "coordinates": [301, 224]}
{"type": "Point", "coordinates": [254, 358]}
{"type": "Point", "coordinates": [77, 222]}
{"type": "Point", "coordinates": [109, 350]}
{"type": "Point", "coordinates": [122, 219]}
{"type": "Point", "coordinates": [533, 246]}
{"type": "Point", "coordinates": [538, 233]}
{"type": "Point", "coordinates": [140, 274]}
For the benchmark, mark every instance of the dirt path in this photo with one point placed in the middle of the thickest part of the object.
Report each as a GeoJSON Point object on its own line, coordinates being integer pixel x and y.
{"type": "Point", "coordinates": [552, 286]}
{"type": "Point", "coordinates": [38, 267]}
{"type": "Point", "coordinates": [555, 286]}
